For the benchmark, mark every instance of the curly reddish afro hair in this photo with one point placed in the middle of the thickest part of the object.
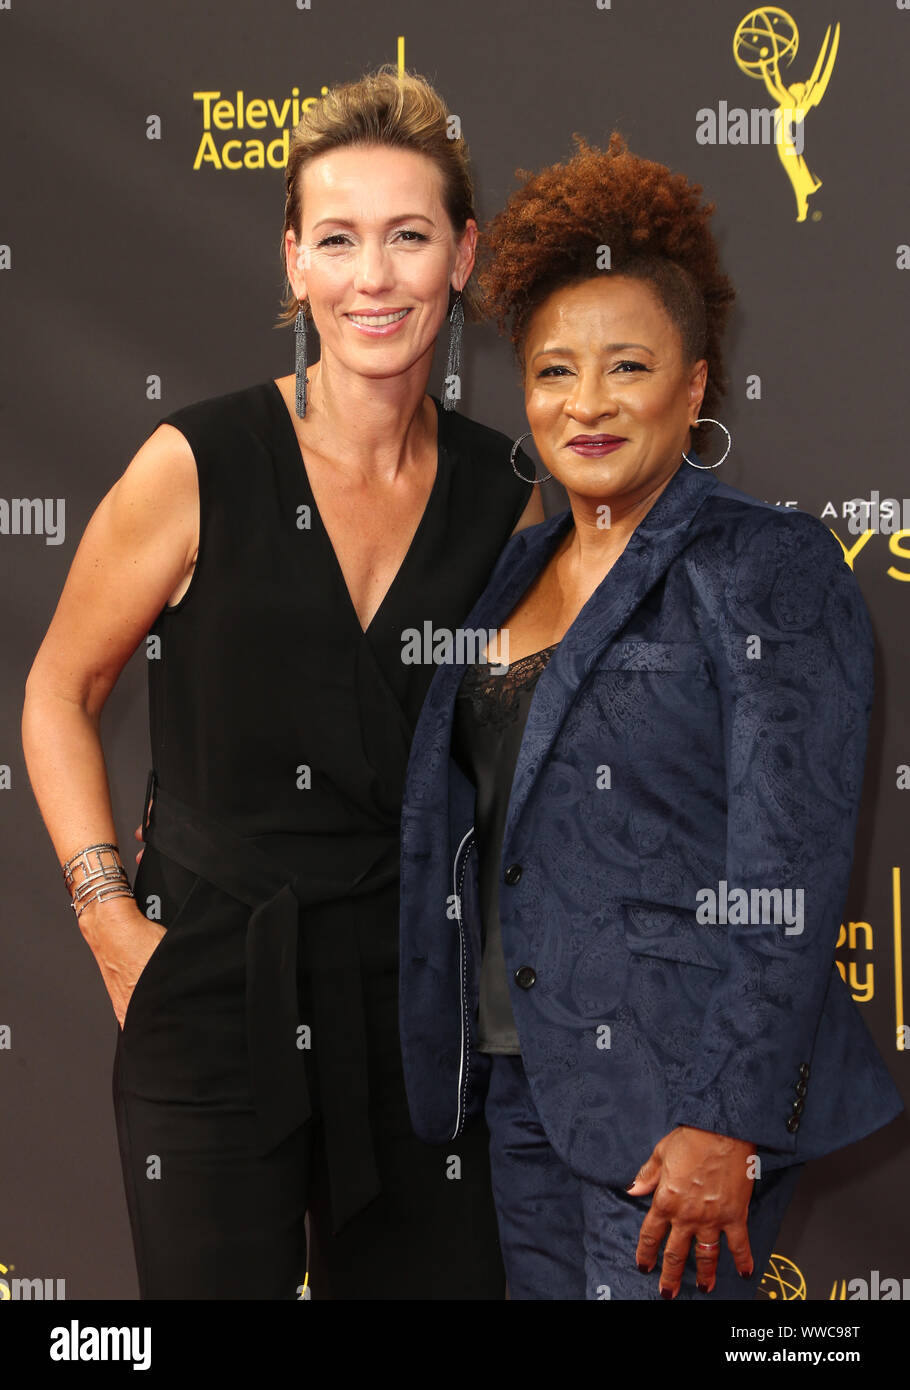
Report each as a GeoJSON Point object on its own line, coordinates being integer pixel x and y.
{"type": "Point", "coordinates": [552, 229]}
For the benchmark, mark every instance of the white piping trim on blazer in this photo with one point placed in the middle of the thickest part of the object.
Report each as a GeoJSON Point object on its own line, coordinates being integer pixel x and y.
{"type": "Point", "coordinates": [462, 1074]}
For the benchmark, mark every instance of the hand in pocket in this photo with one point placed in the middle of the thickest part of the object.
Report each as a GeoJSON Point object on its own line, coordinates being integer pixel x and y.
{"type": "Point", "coordinates": [123, 941]}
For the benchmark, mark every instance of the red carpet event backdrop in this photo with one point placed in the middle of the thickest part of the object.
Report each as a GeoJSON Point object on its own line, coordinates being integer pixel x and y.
{"type": "Point", "coordinates": [142, 205]}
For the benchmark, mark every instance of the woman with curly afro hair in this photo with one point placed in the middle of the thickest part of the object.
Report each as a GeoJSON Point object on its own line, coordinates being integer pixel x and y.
{"type": "Point", "coordinates": [650, 792]}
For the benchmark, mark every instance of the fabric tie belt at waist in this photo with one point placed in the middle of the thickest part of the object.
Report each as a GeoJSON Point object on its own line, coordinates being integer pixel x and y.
{"type": "Point", "coordinates": [281, 1097]}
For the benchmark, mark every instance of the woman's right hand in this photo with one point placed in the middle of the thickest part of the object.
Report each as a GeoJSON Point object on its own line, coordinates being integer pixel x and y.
{"type": "Point", "coordinates": [122, 940]}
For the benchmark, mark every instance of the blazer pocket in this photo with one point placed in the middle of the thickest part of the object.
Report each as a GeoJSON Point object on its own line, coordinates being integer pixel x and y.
{"type": "Point", "coordinates": [672, 933]}
{"type": "Point", "coordinates": [632, 655]}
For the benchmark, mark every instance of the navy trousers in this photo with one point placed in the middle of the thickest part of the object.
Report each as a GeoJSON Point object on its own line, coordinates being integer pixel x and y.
{"type": "Point", "coordinates": [564, 1237]}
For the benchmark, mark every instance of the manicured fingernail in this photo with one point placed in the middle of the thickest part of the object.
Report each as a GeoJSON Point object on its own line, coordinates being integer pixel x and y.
{"type": "Point", "coordinates": [632, 1184]}
{"type": "Point", "coordinates": [644, 1269]}
{"type": "Point", "coordinates": [702, 1288]}
{"type": "Point", "coordinates": [666, 1293]}
{"type": "Point", "coordinates": [746, 1276]}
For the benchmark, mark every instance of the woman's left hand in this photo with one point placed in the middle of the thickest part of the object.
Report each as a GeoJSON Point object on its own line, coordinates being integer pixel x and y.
{"type": "Point", "coordinates": [702, 1185]}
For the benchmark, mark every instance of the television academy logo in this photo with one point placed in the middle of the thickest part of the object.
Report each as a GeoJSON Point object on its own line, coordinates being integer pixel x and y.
{"type": "Point", "coordinates": [766, 40]}
{"type": "Point", "coordinates": [782, 1281]}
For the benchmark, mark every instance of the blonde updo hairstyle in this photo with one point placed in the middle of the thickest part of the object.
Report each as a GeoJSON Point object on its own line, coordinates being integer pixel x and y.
{"type": "Point", "coordinates": [385, 108]}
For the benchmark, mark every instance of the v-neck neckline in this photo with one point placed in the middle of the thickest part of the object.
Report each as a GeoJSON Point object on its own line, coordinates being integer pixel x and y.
{"type": "Point", "coordinates": [300, 461]}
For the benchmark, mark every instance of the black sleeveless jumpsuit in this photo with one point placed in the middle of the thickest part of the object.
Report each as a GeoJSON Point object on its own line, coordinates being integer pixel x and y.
{"type": "Point", "coordinates": [258, 1072]}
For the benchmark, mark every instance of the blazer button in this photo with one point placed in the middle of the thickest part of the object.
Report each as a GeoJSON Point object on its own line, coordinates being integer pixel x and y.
{"type": "Point", "coordinates": [801, 1088]}
{"type": "Point", "coordinates": [798, 1106]}
{"type": "Point", "coordinates": [793, 1124]}
{"type": "Point", "coordinates": [513, 873]}
{"type": "Point", "coordinates": [804, 1071]}
{"type": "Point", "coordinates": [525, 976]}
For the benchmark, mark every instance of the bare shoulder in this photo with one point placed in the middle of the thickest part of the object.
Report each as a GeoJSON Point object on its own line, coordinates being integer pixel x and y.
{"type": "Point", "coordinates": [155, 501]}
{"type": "Point", "coordinates": [160, 477]}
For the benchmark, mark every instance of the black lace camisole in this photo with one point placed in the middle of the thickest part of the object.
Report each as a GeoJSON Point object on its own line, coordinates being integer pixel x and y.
{"type": "Point", "coordinates": [489, 721]}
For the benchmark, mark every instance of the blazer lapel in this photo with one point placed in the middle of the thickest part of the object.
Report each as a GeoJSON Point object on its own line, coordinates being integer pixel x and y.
{"type": "Point", "coordinates": [531, 550]}
{"type": "Point", "coordinates": [428, 764]}
{"type": "Point", "coordinates": [654, 543]}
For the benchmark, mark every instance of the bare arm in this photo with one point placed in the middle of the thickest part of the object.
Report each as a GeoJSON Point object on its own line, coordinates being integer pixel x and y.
{"type": "Point", "coordinates": [135, 555]}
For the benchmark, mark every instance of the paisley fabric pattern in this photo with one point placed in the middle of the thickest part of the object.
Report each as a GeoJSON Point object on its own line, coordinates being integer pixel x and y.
{"type": "Point", "coordinates": [700, 729]}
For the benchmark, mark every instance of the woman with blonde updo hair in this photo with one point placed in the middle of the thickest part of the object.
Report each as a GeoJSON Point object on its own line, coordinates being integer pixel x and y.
{"type": "Point", "coordinates": [280, 546]}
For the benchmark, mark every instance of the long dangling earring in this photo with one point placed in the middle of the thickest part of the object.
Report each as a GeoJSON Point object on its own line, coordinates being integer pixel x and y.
{"type": "Point", "coordinates": [512, 458]}
{"type": "Point", "coordinates": [708, 421]}
{"type": "Point", "coordinates": [453, 361]}
{"type": "Point", "coordinates": [300, 359]}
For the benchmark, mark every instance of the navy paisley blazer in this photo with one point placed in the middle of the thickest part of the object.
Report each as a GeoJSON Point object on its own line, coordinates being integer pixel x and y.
{"type": "Point", "coordinates": [702, 723]}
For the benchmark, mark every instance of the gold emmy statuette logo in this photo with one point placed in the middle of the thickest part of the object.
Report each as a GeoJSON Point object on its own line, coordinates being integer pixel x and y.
{"type": "Point", "coordinates": [782, 1281]}
{"type": "Point", "coordinates": [763, 40]}
{"type": "Point", "coordinates": [4, 1285]}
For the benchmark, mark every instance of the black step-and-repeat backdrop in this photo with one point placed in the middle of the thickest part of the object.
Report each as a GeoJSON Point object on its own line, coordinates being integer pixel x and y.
{"type": "Point", "coordinates": [141, 205]}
